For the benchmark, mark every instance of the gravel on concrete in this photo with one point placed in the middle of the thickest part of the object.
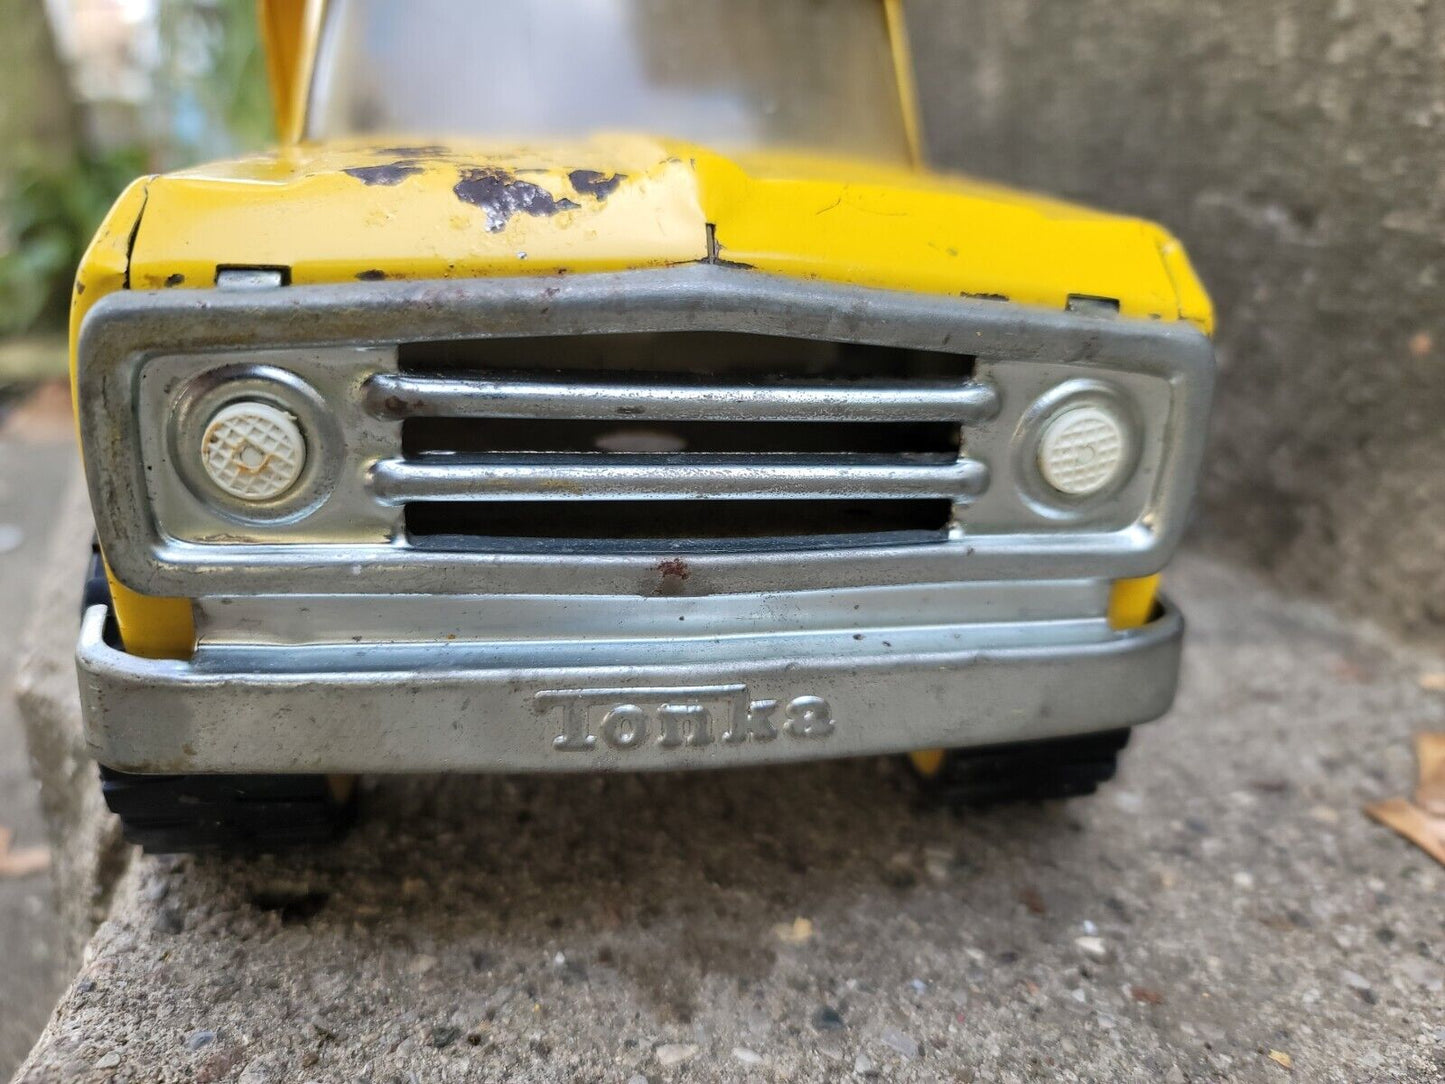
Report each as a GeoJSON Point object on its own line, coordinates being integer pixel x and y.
{"type": "Point", "coordinates": [34, 470]}
{"type": "Point", "coordinates": [87, 853]}
{"type": "Point", "coordinates": [1222, 912]}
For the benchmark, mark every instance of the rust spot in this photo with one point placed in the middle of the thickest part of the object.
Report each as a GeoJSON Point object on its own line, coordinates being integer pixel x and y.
{"type": "Point", "coordinates": [674, 567]}
{"type": "Point", "coordinates": [674, 572]}
{"type": "Point", "coordinates": [714, 252]}
{"type": "Point", "coordinates": [397, 407]}
{"type": "Point", "coordinates": [372, 275]}
{"type": "Point", "coordinates": [79, 288]}
{"type": "Point", "coordinates": [589, 182]}
{"type": "Point", "coordinates": [501, 195]}
{"type": "Point", "coordinates": [174, 280]}
{"type": "Point", "coordinates": [388, 173]}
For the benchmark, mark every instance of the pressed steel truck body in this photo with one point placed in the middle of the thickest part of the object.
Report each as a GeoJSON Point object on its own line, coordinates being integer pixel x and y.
{"type": "Point", "coordinates": [474, 430]}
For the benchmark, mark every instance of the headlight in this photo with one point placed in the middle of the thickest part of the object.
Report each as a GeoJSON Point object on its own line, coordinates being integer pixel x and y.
{"type": "Point", "coordinates": [1082, 450]}
{"type": "Point", "coordinates": [253, 444]}
{"type": "Point", "coordinates": [253, 451]}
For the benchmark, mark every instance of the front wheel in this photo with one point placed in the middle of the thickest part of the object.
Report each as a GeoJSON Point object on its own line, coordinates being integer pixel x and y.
{"type": "Point", "coordinates": [187, 814]}
{"type": "Point", "coordinates": [1033, 771]}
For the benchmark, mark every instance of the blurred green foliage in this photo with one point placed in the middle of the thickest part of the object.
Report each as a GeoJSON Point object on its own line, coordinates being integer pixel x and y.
{"type": "Point", "coordinates": [209, 98]}
{"type": "Point", "coordinates": [212, 79]}
{"type": "Point", "coordinates": [52, 207]}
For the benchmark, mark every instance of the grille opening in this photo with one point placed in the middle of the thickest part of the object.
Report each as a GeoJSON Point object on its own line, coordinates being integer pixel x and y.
{"type": "Point", "coordinates": [686, 356]}
{"type": "Point", "coordinates": [421, 437]}
{"type": "Point", "coordinates": [698, 359]}
{"type": "Point", "coordinates": [677, 525]}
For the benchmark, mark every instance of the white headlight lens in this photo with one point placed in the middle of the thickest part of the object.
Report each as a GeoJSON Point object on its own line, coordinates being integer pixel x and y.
{"type": "Point", "coordinates": [253, 451]}
{"type": "Point", "coordinates": [1082, 450]}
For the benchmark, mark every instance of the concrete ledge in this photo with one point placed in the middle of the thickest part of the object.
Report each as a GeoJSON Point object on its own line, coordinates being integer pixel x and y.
{"type": "Point", "coordinates": [1223, 900]}
{"type": "Point", "coordinates": [85, 839]}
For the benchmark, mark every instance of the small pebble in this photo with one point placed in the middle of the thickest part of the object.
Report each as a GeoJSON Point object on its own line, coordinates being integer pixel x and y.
{"type": "Point", "coordinates": [1093, 947]}
{"type": "Point", "coordinates": [828, 1018]}
{"type": "Point", "coordinates": [267, 1069]}
{"type": "Point", "coordinates": [831, 1047]}
{"type": "Point", "coordinates": [670, 1054]}
{"type": "Point", "coordinates": [746, 1056]}
{"type": "Point", "coordinates": [896, 1040]}
{"type": "Point", "coordinates": [1244, 880]}
{"type": "Point", "coordinates": [108, 1060]}
{"type": "Point", "coordinates": [197, 1039]}
{"type": "Point", "coordinates": [863, 1066]}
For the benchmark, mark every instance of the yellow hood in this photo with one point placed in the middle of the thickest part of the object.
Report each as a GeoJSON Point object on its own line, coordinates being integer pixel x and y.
{"type": "Point", "coordinates": [333, 213]}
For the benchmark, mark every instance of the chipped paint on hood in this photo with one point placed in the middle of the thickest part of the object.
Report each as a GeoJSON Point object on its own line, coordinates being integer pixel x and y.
{"type": "Point", "coordinates": [337, 212]}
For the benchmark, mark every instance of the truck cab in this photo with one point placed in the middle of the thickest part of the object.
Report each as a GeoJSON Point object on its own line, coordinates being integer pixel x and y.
{"type": "Point", "coordinates": [613, 387]}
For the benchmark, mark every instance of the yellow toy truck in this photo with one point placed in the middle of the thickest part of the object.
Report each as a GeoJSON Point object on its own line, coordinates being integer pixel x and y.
{"type": "Point", "coordinates": [608, 386]}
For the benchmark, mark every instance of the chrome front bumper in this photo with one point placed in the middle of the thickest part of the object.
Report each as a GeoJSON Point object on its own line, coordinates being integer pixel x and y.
{"type": "Point", "coordinates": [591, 704]}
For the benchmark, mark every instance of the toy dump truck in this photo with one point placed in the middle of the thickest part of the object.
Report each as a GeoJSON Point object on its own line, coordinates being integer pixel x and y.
{"type": "Point", "coordinates": [598, 387]}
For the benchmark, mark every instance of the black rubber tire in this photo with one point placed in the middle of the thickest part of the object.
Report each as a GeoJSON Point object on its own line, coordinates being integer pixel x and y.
{"type": "Point", "coordinates": [1035, 771]}
{"type": "Point", "coordinates": [189, 814]}
{"type": "Point", "coordinates": [96, 591]}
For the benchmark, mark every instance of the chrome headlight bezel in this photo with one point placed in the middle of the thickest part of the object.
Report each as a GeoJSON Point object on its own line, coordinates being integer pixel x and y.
{"type": "Point", "coordinates": [1046, 500]}
{"type": "Point", "coordinates": [202, 397]}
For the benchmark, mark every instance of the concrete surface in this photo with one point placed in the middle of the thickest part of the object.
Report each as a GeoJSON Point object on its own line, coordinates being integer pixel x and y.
{"type": "Point", "coordinates": [1295, 147]}
{"type": "Point", "coordinates": [87, 852]}
{"type": "Point", "coordinates": [1225, 900]}
{"type": "Point", "coordinates": [35, 466]}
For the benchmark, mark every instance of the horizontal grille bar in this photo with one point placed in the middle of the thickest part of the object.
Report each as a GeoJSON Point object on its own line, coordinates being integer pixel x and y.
{"type": "Point", "coordinates": [629, 477]}
{"type": "Point", "coordinates": [397, 396]}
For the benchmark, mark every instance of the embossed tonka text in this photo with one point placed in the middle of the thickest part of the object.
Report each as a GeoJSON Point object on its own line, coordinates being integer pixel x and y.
{"type": "Point", "coordinates": [679, 718]}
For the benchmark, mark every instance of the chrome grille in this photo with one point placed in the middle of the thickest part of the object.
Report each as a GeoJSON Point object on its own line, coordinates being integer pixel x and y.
{"type": "Point", "coordinates": [356, 353]}
{"type": "Point", "coordinates": [801, 438]}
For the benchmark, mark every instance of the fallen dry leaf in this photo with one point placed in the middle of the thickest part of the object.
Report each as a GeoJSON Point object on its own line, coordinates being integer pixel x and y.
{"type": "Point", "coordinates": [1412, 822]}
{"type": "Point", "coordinates": [1146, 995]}
{"type": "Point", "coordinates": [1422, 821]}
{"type": "Point", "coordinates": [23, 862]}
{"type": "Point", "coordinates": [1029, 896]}
{"type": "Point", "coordinates": [1430, 752]}
{"type": "Point", "coordinates": [798, 932]}
{"type": "Point", "coordinates": [1279, 1057]}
